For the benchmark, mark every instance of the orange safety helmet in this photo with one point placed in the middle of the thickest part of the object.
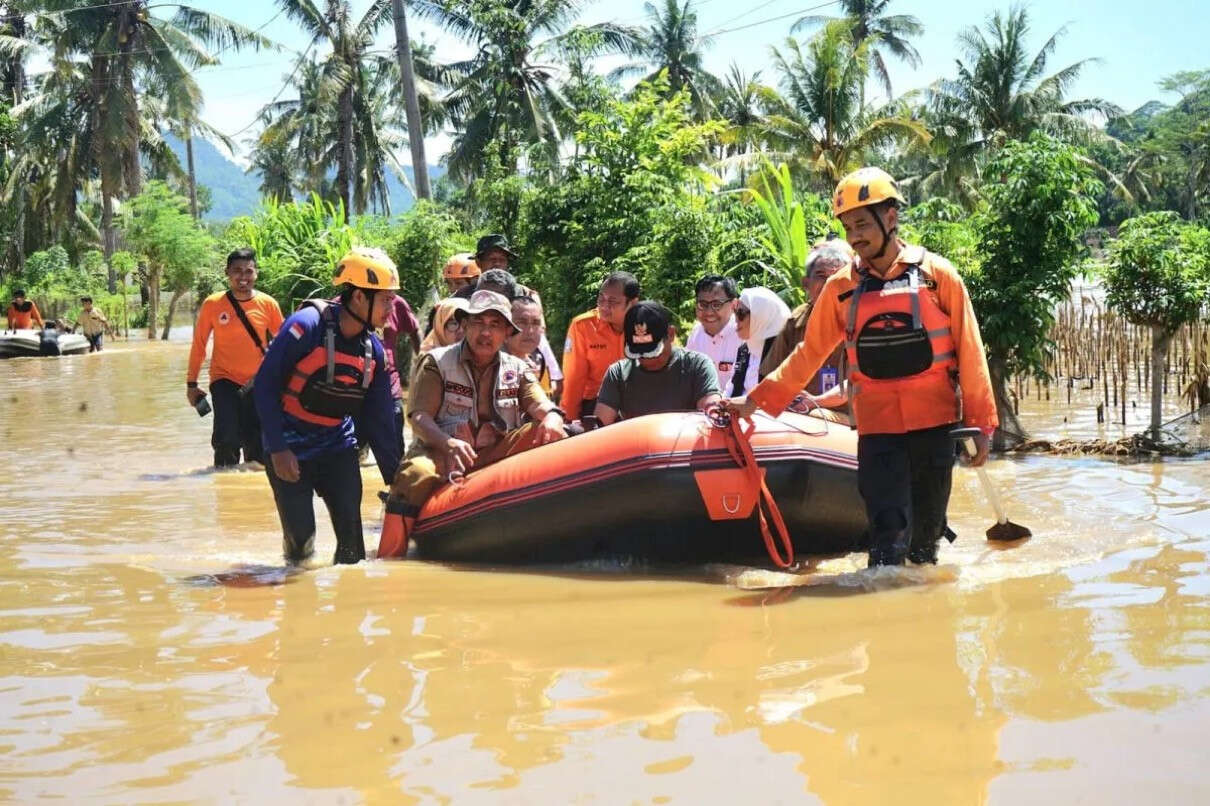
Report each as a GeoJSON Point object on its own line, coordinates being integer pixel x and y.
{"type": "Point", "coordinates": [367, 268]}
{"type": "Point", "coordinates": [864, 187]}
{"type": "Point", "coordinates": [461, 266]}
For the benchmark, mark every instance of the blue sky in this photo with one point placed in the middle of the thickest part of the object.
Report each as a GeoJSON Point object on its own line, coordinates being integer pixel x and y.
{"type": "Point", "coordinates": [1137, 43]}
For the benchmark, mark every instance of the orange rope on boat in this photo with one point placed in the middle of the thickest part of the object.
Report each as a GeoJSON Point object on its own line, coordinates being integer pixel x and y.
{"type": "Point", "coordinates": [740, 448]}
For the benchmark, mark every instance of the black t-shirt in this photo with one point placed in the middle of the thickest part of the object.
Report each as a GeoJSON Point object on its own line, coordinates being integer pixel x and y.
{"type": "Point", "coordinates": [688, 377]}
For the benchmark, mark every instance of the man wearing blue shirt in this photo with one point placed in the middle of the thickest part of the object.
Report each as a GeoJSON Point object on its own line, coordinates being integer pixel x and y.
{"type": "Point", "coordinates": [326, 367]}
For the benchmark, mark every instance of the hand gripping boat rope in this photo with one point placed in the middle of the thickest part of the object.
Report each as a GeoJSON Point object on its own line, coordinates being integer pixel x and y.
{"type": "Point", "coordinates": [739, 445]}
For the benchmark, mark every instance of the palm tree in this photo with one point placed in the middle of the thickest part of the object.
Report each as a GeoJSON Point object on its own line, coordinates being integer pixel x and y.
{"type": "Point", "coordinates": [129, 48]}
{"type": "Point", "coordinates": [741, 101]}
{"type": "Point", "coordinates": [343, 74]}
{"type": "Point", "coordinates": [1005, 93]}
{"type": "Point", "coordinates": [306, 131]}
{"type": "Point", "coordinates": [818, 121]}
{"type": "Point", "coordinates": [507, 95]}
{"type": "Point", "coordinates": [868, 23]}
{"type": "Point", "coordinates": [56, 160]}
{"type": "Point", "coordinates": [670, 44]}
{"type": "Point", "coordinates": [13, 49]}
{"type": "Point", "coordinates": [300, 131]}
{"type": "Point", "coordinates": [272, 160]}
{"type": "Point", "coordinates": [948, 164]}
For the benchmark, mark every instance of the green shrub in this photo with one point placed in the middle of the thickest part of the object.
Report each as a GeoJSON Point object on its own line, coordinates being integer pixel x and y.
{"type": "Point", "coordinates": [420, 241]}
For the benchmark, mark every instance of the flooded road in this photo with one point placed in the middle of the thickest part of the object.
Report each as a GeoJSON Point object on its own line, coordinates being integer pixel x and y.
{"type": "Point", "coordinates": [1075, 667]}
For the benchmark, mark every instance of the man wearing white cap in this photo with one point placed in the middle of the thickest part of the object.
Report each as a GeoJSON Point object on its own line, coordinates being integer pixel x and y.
{"type": "Point", "coordinates": [468, 409]}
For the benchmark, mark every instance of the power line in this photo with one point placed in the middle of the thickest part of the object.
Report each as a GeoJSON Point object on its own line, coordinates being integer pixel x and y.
{"type": "Point", "coordinates": [747, 13]}
{"type": "Point", "coordinates": [289, 80]}
{"type": "Point", "coordinates": [772, 19]}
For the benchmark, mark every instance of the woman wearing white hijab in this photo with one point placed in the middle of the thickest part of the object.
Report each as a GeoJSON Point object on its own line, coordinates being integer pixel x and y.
{"type": "Point", "coordinates": [759, 316]}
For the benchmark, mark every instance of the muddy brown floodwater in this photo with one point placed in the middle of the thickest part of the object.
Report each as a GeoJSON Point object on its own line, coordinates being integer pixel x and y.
{"type": "Point", "coordinates": [1075, 667]}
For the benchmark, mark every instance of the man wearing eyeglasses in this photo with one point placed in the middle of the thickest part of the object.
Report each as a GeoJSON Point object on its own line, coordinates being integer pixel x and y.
{"type": "Point", "coordinates": [714, 332]}
{"type": "Point", "coordinates": [594, 342]}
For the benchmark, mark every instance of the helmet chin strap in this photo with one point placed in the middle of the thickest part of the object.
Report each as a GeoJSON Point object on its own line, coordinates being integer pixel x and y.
{"type": "Point", "coordinates": [369, 292]}
{"type": "Point", "coordinates": [886, 236]}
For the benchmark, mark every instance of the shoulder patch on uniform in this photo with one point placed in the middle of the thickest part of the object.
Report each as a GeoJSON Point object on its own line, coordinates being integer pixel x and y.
{"type": "Point", "coordinates": [567, 345]}
{"type": "Point", "coordinates": [296, 330]}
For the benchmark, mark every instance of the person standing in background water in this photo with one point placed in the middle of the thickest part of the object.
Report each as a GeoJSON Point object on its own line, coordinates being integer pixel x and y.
{"type": "Point", "coordinates": [92, 324]}
{"type": "Point", "coordinates": [243, 321]}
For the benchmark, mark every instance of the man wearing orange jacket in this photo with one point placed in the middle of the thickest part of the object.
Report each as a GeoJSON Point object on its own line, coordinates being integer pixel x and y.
{"type": "Point", "coordinates": [594, 343]}
{"type": "Point", "coordinates": [23, 313]}
{"type": "Point", "coordinates": [915, 370]}
{"type": "Point", "coordinates": [243, 321]}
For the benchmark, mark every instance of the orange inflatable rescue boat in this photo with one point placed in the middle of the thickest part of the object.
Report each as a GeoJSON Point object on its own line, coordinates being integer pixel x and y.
{"type": "Point", "coordinates": [665, 488]}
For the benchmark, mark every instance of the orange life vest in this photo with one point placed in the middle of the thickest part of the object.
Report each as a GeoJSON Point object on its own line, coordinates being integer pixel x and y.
{"type": "Point", "coordinates": [902, 365]}
{"type": "Point", "coordinates": [21, 315]}
{"type": "Point", "coordinates": [327, 384]}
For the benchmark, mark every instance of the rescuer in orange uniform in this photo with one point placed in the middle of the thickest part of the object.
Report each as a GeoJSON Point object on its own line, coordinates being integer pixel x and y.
{"type": "Point", "coordinates": [915, 370]}
{"type": "Point", "coordinates": [23, 313]}
{"type": "Point", "coordinates": [243, 321]}
{"type": "Point", "coordinates": [460, 271]}
{"type": "Point", "coordinates": [594, 343]}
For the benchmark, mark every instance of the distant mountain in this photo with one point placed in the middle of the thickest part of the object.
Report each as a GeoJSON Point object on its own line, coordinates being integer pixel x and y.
{"type": "Point", "coordinates": [235, 193]}
{"type": "Point", "coordinates": [232, 192]}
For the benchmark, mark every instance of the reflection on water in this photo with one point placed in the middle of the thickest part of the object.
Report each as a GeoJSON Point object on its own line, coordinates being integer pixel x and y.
{"type": "Point", "coordinates": [1071, 667]}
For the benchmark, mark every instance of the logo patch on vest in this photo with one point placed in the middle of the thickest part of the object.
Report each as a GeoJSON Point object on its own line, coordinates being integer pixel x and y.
{"type": "Point", "coordinates": [512, 392]}
{"type": "Point", "coordinates": [223, 318]}
{"type": "Point", "coordinates": [458, 389]}
{"type": "Point", "coordinates": [509, 376]}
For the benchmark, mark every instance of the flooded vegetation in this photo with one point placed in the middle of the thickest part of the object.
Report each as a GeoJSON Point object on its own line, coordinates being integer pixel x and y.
{"type": "Point", "coordinates": [1070, 667]}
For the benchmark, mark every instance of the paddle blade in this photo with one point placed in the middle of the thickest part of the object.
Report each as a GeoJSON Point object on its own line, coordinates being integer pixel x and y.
{"type": "Point", "coordinates": [1008, 532]}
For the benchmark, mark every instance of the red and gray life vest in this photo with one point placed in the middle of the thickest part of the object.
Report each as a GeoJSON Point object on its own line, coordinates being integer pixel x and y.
{"type": "Point", "coordinates": [327, 384]}
{"type": "Point", "coordinates": [900, 354]}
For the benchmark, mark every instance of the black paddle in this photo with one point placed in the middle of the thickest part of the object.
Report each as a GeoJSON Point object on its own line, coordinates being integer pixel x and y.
{"type": "Point", "coordinates": [1003, 530]}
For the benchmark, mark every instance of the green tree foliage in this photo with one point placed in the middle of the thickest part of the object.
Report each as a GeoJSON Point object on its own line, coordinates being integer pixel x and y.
{"type": "Point", "coordinates": [344, 130]}
{"type": "Point", "coordinates": [1040, 200]}
{"type": "Point", "coordinates": [298, 245]}
{"type": "Point", "coordinates": [1002, 92]}
{"type": "Point", "coordinates": [420, 242]}
{"type": "Point", "coordinates": [157, 226]}
{"type": "Point", "coordinates": [793, 225]}
{"type": "Point", "coordinates": [1179, 141]}
{"type": "Point", "coordinates": [621, 203]}
{"type": "Point", "coordinates": [1158, 276]}
{"type": "Point", "coordinates": [508, 92]}
{"type": "Point", "coordinates": [1158, 271]}
{"type": "Point", "coordinates": [868, 21]}
{"type": "Point", "coordinates": [818, 123]}
{"type": "Point", "coordinates": [943, 227]}
{"type": "Point", "coordinates": [127, 51]}
{"type": "Point", "coordinates": [670, 45]}
{"type": "Point", "coordinates": [55, 281]}
{"type": "Point", "coordinates": [740, 101]}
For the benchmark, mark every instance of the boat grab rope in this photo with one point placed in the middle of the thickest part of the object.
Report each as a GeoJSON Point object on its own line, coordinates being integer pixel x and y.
{"type": "Point", "coordinates": [739, 445]}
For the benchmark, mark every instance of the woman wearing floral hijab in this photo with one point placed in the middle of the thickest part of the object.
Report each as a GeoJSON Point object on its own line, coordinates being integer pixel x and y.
{"type": "Point", "coordinates": [759, 316]}
{"type": "Point", "coordinates": [447, 329]}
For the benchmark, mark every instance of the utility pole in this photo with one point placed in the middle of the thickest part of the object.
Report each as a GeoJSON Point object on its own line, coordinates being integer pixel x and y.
{"type": "Point", "coordinates": [403, 51]}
